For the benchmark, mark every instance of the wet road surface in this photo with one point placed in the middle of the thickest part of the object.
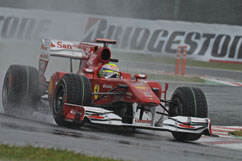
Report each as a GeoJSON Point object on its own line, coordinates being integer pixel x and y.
{"type": "Point", "coordinates": [142, 145]}
{"type": "Point", "coordinates": [133, 66]}
{"type": "Point", "coordinates": [224, 102]}
{"type": "Point", "coordinates": [40, 130]}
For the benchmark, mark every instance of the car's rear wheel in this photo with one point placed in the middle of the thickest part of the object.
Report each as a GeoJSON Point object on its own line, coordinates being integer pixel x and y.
{"type": "Point", "coordinates": [20, 93]}
{"type": "Point", "coordinates": [76, 89]}
{"type": "Point", "coordinates": [188, 101]}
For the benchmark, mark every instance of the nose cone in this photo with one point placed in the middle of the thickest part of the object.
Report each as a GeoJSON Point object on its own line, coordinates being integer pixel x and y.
{"type": "Point", "coordinates": [144, 93]}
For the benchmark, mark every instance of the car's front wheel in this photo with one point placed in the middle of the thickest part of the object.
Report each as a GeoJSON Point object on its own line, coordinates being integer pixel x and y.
{"type": "Point", "coordinates": [188, 101]}
{"type": "Point", "coordinates": [73, 89]}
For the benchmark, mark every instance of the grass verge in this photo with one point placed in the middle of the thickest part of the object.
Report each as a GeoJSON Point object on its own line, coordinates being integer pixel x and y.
{"type": "Point", "coordinates": [30, 153]}
{"type": "Point", "coordinates": [236, 133]}
{"type": "Point", "coordinates": [171, 60]}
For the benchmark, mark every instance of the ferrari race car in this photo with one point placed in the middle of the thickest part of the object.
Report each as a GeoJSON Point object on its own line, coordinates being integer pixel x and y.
{"type": "Point", "coordinates": [85, 97]}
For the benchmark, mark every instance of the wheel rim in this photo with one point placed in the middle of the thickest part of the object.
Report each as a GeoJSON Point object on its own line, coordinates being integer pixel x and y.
{"type": "Point", "coordinates": [59, 99]}
{"type": "Point", "coordinates": [5, 91]}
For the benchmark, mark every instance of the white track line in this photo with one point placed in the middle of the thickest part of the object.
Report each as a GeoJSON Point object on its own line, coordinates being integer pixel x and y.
{"type": "Point", "coordinates": [235, 84]}
{"type": "Point", "coordinates": [224, 140]}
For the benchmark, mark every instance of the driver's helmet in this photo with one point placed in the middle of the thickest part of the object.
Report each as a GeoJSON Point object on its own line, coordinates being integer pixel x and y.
{"type": "Point", "coordinates": [109, 71]}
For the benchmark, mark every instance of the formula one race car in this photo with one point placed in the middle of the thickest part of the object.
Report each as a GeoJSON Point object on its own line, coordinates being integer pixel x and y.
{"type": "Point", "coordinates": [87, 97]}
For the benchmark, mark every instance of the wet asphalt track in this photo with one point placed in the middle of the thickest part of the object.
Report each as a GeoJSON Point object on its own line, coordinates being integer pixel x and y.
{"type": "Point", "coordinates": [40, 130]}
{"type": "Point", "coordinates": [170, 68]}
{"type": "Point", "coordinates": [142, 145]}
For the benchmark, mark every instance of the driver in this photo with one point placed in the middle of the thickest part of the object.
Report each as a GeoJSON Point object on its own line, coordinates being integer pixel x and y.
{"type": "Point", "coordinates": [109, 71]}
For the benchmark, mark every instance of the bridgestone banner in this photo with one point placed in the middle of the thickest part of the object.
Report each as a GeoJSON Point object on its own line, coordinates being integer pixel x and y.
{"type": "Point", "coordinates": [207, 42]}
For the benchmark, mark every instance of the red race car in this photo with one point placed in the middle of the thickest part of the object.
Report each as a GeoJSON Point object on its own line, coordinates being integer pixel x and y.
{"type": "Point", "coordinates": [100, 94]}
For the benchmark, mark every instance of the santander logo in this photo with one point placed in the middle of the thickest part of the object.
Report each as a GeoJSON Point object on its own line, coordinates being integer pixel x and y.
{"type": "Point", "coordinates": [64, 46]}
{"type": "Point", "coordinates": [61, 45]}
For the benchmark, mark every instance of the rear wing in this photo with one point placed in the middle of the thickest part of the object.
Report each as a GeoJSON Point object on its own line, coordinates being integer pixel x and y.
{"type": "Point", "coordinates": [61, 48]}
{"type": "Point", "coordinates": [72, 50]}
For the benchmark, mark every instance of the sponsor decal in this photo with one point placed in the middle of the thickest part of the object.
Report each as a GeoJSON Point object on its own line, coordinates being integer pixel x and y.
{"type": "Point", "coordinates": [96, 90]}
{"type": "Point", "coordinates": [44, 56]}
{"type": "Point", "coordinates": [143, 121]}
{"type": "Point", "coordinates": [128, 95]}
{"type": "Point", "coordinates": [148, 94]}
{"type": "Point", "coordinates": [62, 45]}
{"type": "Point", "coordinates": [96, 117]}
{"type": "Point", "coordinates": [205, 43]}
{"type": "Point", "coordinates": [52, 45]}
{"type": "Point", "coordinates": [186, 126]}
{"type": "Point", "coordinates": [141, 87]}
{"type": "Point", "coordinates": [107, 86]}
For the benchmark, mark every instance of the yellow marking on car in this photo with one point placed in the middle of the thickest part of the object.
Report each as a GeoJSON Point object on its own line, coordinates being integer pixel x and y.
{"type": "Point", "coordinates": [141, 87]}
{"type": "Point", "coordinates": [50, 89]}
{"type": "Point", "coordinates": [96, 90]}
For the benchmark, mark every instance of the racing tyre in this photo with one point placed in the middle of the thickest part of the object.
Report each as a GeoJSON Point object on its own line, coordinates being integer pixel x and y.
{"type": "Point", "coordinates": [76, 89]}
{"type": "Point", "coordinates": [188, 101]}
{"type": "Point", "coordinates": [20, 93]}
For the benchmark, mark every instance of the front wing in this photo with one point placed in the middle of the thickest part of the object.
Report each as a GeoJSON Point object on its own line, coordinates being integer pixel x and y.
{"type": "Point", "coordinates": [100, 116]}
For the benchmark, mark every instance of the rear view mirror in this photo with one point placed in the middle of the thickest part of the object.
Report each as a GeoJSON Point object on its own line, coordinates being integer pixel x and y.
{"type": "Point", "coordinates": [140, 76]}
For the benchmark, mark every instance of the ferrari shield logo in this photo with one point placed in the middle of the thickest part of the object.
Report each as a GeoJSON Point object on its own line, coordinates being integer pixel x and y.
{"type": "Point", "coordinates": [96, 90]}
